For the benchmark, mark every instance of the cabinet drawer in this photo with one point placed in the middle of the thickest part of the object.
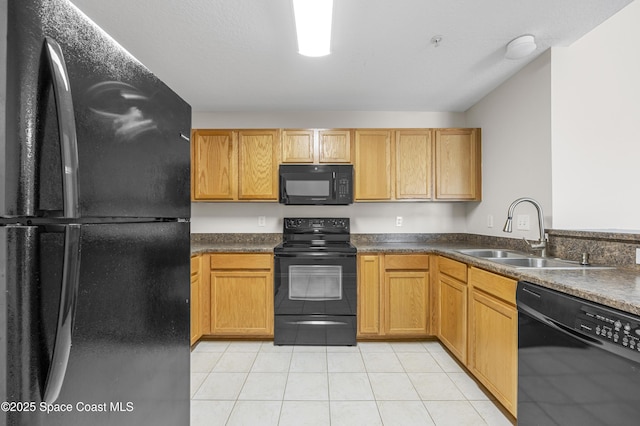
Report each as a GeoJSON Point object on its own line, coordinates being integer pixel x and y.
{"type": "Point", "coordinates": [195, 265]}
{"type": "Point", "coordinates": [455, 269]}
{"type": "Point", "coordinates": [406, 261]}
{"type": "Point", "coordinates": [241, 261]}
{"type": "Point", "coordinates": [501, 287]}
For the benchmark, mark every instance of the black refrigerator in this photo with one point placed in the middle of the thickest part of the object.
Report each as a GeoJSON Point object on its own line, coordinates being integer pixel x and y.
{"type": "Point", "coordinates": [94, 227]}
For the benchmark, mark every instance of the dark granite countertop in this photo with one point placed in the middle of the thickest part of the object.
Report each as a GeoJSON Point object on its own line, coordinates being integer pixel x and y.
{"type": "Point", "coordinates": [231, 247]}
{"type": "Point", "coordinates": [234, 243]}
{"type": "Point", "coordinates": [618, 288]}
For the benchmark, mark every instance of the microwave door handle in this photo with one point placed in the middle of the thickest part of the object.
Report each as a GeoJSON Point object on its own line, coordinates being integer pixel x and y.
{"type": "Point", "coordinates": [66, 127]}
{"type": "Point", "coordinates": [335, 186]}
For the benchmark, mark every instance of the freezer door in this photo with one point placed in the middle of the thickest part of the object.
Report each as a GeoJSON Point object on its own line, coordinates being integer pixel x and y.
{"type": "Point", "coordinates": [132, 131]}
{"type": "Point", "coordinates": [128, 355]}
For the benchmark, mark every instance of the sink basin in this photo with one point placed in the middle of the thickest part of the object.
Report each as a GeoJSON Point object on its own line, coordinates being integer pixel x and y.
{"type": "Point", "coordinates": [544, 263]}
{"type": "Point", "coordinates": [535, 262]}
{"type": "Point", "coordinates": [493, 253]}
{"type": "Point", "coordinates": [520, 260]}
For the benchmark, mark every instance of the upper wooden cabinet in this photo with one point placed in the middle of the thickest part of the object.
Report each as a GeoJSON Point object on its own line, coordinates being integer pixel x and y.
{"type": "Point", "coordinates": [233, 165]}
{"type": "Point", "coordinates": [316, 146]}
{"type": "Point", "coordinates": [373, 165]}
{"type": "Point", "coordinates": [457, 163]}
{"type": "Point", "coordinates": [214, 165]}
{"type": "Point", "coordinates": [298, 146]}
{"type": "Point", "coordinates": [417, 165]}
{"type": "Point", "coordinates": [389, 164]}
{"type": "Point", "coordinates": [258, 164]}
{"type": "Point", "coordinates": [334, 146]}
{"type": "Point", "coordinates": [413, 164]}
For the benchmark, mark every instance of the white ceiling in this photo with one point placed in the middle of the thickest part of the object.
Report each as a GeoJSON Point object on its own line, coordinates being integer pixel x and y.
{"type": "Point", "coordinates": [241, 55]}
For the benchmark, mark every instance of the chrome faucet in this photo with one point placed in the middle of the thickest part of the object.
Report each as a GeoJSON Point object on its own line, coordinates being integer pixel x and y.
{"type": "Point", "coordinates": [508, 226]}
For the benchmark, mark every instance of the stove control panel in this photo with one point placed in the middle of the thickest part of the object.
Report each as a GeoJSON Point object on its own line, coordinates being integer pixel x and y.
{"type": "Point", "coordinates": [607, 326]}
{"type": "Point", "coordinates": [323, 224]}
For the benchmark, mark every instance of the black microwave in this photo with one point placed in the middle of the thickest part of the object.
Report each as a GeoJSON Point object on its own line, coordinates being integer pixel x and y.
{"type": "Point", "coordinates": [316, 184]}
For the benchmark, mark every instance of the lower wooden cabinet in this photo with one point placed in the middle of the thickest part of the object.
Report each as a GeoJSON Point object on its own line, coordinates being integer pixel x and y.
{"type": "Point", "coordinates": [406, 295]}
{"type": "Point", "coordinates": [452, 306]}
{"type": "Point", "coordinates": [369, 307]}
{"type": "Point", "coordinates": [241, 302]}
{"type": "Point", "coordinates": [393, 296]}
{"type": "Point", "coordinates": [493, 335]}
{"type": "Point", "coordinates": [196, 300]}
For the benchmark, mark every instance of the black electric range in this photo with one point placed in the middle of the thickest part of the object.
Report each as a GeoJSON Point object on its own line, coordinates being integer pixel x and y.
{"type": "Point", "coordinates": [315, 283]}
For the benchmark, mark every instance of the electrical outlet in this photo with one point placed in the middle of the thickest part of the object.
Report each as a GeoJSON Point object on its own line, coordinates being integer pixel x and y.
{"type": "Point", "coordinates": [490, 221]}
{"type": "Point", "coordinates": [638, 256]}
{"type": "Point", "coordinates": [398, 220]}
{"type": "Point", "coordinates": [522, 222]}
{"type": "Point", "coordinates": [262, 220]}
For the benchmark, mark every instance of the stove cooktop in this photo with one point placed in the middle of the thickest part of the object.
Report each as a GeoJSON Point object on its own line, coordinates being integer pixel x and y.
{"type": "Point", "coordinates": [315, 246]}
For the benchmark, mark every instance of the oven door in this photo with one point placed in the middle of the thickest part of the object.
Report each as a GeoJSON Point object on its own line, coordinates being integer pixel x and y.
{"type": "Point", "coordinates": [315, 284]}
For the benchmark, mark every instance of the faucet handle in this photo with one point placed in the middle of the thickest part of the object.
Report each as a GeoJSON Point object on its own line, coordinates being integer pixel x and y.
{"type": "Point", "coordinates": [537, 245]}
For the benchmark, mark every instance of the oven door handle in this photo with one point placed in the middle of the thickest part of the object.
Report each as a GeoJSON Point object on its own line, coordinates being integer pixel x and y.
{"type": "Point", "coordinates": [316, 322]}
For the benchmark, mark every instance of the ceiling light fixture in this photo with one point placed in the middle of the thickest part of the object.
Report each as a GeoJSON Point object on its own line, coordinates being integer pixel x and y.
{"type": "Point", "coordinates": [520, 47]}
{"type": "Point", "coordinates": [313, 26]}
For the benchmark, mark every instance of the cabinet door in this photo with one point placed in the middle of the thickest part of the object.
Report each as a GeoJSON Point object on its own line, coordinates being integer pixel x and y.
{"type": "Point", "coordinates": [334, 146]}
{"type": "Point", "coordinates": [413, 164]}
{"type": "Point", "coordinates": [452, 329]}
{"type": "Point", "coordinates": [457, 158]}
{"type": "Point", "coordinates": [196, 300]}
{"type": "Point", "coordinates": [373, 165]}
{"type": "Point", "coordinates": [406, 295]}
{"type": "Point", "coordinates": [214, 165]}
{"type": "Point", "coordinates": [297, 146]}
{"type": "Point", "coordinates": [368, 295]}
{"type": "Point", "coordinates": [493, 346]}
{"type": "Point", "coordinates": [258, 152]}
{"type": "Point", "coordinates": [242, 303]}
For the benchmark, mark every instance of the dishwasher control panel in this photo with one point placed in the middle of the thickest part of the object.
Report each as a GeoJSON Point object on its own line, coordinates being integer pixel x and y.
{"type": "Point", "coordinates": [609, 327]}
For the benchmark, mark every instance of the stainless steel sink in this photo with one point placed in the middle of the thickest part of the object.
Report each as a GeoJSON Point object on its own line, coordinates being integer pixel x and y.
{"type": "Point", "coordinates": [520, 260]}
{"type": "Point", "coordinates": [537, 262]}
{"type": "Point", "coordinates": [493, 253]}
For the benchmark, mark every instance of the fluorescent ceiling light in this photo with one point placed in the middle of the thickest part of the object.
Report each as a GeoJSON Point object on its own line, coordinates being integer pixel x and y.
{"type": "Point", "coordinates": [313, 26]}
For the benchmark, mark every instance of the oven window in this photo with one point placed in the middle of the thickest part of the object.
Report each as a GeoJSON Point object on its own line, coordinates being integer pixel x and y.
{"type": "Point", "coordinates": [315, 282]}
{"type": "Point", "coordinates": [306, 188]}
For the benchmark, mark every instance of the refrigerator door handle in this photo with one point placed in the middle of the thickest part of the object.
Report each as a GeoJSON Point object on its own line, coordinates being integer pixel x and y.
{"type": "Point", "coordinates": [66, 314]}
{"type": "Point", "coordinates": [66, 127]}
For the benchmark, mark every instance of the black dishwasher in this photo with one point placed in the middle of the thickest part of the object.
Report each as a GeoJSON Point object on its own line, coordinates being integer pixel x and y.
{"type": "Point", "coordinates": [578, 361]}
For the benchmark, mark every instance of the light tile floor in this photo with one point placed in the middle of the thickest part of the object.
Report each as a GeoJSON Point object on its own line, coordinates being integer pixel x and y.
{"type": "Point", "coordinates": [374, 383]}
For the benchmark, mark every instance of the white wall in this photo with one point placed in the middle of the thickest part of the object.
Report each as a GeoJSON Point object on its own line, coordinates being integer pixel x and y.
{"type": "Point", "coordinates": [325, 119]}
{"type": "Point", "coordinates": [516, 149]}
{"type": "Point", "coordinates": [595, 115]}
{"type": "Point", "coordinates": [365, 217]}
